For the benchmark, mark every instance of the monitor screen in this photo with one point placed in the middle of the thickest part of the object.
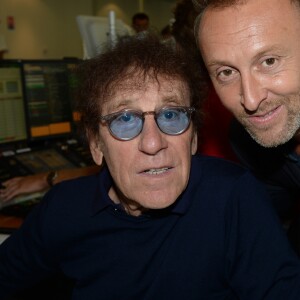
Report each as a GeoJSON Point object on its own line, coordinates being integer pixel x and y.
{"type": "Point", "coordinates": [12, 113]}
{"type": "Point", "coordinates": [95, 33]}
{"type": "Point", "coordinates": [47, 98]}
{"type": "Point", "coordinates": [73, 85]}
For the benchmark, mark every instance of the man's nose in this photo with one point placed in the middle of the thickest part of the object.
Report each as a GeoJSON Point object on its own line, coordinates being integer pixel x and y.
{"type": "Point", "coordinates": [253, 91]}
{"type": "Point", "coordinates": [152, 140]}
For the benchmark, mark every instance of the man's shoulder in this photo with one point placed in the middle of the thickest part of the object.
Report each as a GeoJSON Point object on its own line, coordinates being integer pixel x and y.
{"type": "Point", "coordinates": [218, 169]}
{"type": "Point", "coordinates": [73, 195]}
{"type": "Point", "coordinates": [77, 186]}
{"type": "Point", "coordinates": [219, 163]}
{"type": "Point", "coordinates": [223, 181]}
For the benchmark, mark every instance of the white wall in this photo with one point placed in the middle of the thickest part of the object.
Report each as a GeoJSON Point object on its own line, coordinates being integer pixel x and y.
{"type": "Point", "coordinates": [159, 11]}
{"type": "Point", "coordinates": [48, 29]}
{"type": "Point", "coordinates": [123, 11]}
{"type": "Point", "coordinates": [43, 28]}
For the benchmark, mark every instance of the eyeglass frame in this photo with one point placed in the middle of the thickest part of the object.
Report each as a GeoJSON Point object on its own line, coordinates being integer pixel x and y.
{"type": "Point", "coordinates": [109, 118]}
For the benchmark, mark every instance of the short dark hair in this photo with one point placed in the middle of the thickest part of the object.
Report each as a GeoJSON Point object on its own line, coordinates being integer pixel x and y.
{"type": "Point", "coordinates": [140, 16]}
{"type": "Point", "coordinates": [134, 58]}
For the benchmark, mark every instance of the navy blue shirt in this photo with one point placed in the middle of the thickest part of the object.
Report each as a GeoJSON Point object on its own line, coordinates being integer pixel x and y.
{"type": "Point", "coordinates": [220, 240]}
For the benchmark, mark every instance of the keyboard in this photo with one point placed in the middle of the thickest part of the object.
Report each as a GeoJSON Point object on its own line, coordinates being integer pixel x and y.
{"type": "Point", "coordinates": [20, 209]}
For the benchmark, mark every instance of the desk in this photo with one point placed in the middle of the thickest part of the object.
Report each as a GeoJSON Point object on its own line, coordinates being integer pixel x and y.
{"type": "Point", "coordinates": [7, 224]}
{"type": "Point", "coordinates": [10, 222]}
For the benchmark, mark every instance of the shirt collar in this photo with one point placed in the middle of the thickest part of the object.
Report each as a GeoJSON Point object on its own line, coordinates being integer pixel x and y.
{"type": "Point", "coordinates": [101, 199]}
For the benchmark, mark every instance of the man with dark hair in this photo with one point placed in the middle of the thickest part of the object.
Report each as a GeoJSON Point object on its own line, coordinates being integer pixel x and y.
{"type": "Point", "coordinates": [252, 53]}
{"type": "Point", "coordinates": [158, 221]}
{"type": "Point", "coordinates": [140, 22]}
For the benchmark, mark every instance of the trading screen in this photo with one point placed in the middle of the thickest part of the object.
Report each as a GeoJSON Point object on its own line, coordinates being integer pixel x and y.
{"type": "Point", "coordinates": [48, 100]}
{"type": "Point", "coordinates": [12, 113]}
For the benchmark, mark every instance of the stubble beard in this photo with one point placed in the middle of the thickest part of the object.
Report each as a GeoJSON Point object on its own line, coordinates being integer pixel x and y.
{"type": "Point", "coordinates": [269, 138]}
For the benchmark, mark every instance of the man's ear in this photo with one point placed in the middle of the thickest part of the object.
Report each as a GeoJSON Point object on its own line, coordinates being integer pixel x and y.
{"type": "Point", "coordinates": [96, 152]}
{"type": "Point", "coordinates": [194, 143]}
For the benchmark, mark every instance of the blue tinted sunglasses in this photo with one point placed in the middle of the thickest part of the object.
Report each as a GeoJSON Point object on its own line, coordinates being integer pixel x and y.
{"type": "Point", "coordinates": [127, 124]}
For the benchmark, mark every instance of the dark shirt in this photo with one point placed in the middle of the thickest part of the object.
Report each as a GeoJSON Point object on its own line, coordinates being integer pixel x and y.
{"type": "Point", "coordinates": [278, 168]}
{"type": "Point", "coordinates": [220, 240]}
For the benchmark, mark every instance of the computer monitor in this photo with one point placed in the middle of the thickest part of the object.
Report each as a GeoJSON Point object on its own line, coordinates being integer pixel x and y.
{"type": "Point", "coordinates": [48, 100]}
{"type": "Point", "coordinates": [73, 84]}
{"type": "Point", "coordinates": [12, 112]}
{"type": "Point", "coordinates": [95, 33]}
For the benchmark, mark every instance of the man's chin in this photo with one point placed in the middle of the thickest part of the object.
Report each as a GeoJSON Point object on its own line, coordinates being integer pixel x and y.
{"type": "Point", "coordinates": [270, 140]}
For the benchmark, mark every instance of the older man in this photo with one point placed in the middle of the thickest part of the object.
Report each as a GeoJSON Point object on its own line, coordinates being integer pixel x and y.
{"type": "Point", "coordinates": [158, 221]}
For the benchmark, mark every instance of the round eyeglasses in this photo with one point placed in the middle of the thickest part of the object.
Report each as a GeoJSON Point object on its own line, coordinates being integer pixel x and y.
{"type": "Point", "coordinates": [127, 124]}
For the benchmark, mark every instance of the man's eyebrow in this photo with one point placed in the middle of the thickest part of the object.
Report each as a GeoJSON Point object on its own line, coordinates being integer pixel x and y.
{"type": "Point", "coordinates": [124, 102]}
{"type": "Point", "coordinates": [174, 99]}
{"type": "Point", "coordinates": [269, 50]}
{"type": "Point", "coordinates": [214, 63]}
{"type": "Point", "coordinates": [117, 105]}
{"type": "Point", "coordinates": [263, 51]}
{"type": "Point", "coordinates": [167, 99]}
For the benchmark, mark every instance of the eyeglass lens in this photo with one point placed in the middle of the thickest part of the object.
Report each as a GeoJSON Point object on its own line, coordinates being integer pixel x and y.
{"type": "Point", "coordinates": [128, 124]}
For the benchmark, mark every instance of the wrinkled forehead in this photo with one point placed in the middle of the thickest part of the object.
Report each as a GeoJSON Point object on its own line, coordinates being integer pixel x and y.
{"type": "Point", "coordinates": [248, 15]}
{"type": "Point", "coordinates": [131, 85]}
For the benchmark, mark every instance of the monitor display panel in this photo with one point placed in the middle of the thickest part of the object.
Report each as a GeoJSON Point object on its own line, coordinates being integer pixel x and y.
{"type": "Point", "coordinates": [95, 33]}
{"type": "Point", "coordinates": [48, 100]}
{"type": "Point", "coordinates": [12, 111]}
{"type": "Point", "coordinates": [73, 85]}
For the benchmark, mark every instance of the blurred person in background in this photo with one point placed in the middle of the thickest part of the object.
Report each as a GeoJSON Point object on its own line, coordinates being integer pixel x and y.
{"type": "Point", "coordinates": [140, 22]}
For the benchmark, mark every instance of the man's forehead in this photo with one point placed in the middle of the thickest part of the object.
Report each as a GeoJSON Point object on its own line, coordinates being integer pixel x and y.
{"type": "Point", "coordinates": [220, 6]}
{"type": "Point", "coordinates": [247, 16]}
{"type": "Point", "coordinates": [140, 81]}
{"type": "Point", "coordinates": [131, 89]}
